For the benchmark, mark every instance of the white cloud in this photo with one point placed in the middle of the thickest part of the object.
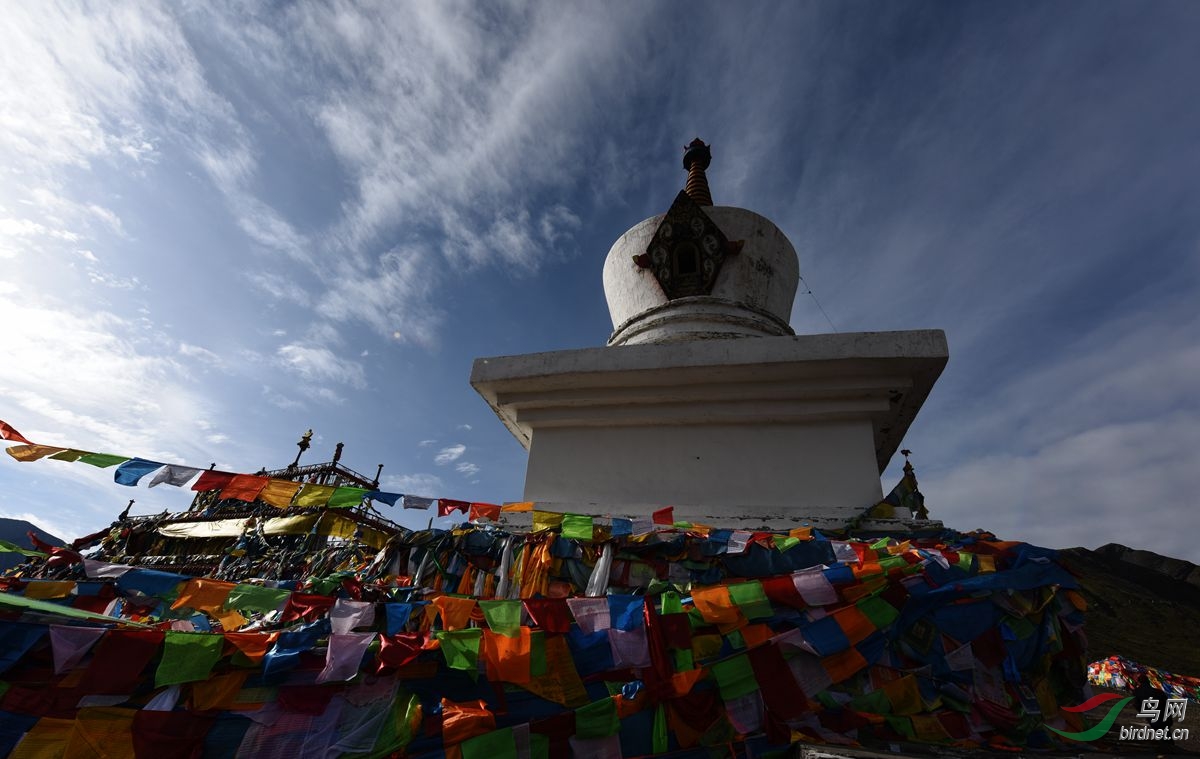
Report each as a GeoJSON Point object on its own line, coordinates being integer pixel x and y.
{"type": "Point", "coordinates": [449, 454]}
{"type": "Point", "coordinates": [278, 400]}
{"type": "Point", "coordinates": [319, 364]}
{"type": "Point", "coordinates": [425, 443]}
{"type": "Point", "coordinates": [466, 468]}
{"type": "Point", "coordinates": [464, 427]}
{"type": "Point", "coordinates": [421, 484]}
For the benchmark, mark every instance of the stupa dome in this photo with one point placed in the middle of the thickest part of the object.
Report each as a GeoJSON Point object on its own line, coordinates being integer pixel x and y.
{"type": "Point", "coordinates": [700, 271]}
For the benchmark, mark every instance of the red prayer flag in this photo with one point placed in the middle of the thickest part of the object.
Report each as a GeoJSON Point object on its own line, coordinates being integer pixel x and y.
{"type": "Point", "coordinates": [306, 606]}
{"type": "Point", "coordinates": [446, 506]}
{"type": "Point", "coordinates": [212, 480]}
{"type": "Point", "coordinates": [8, 433]}
{"type": "Point", "coordinates": [550, 614]}
{"type": "Point", "coordinates": [485, 511]}
{"type": "Point", "coordinates": [664, 516]}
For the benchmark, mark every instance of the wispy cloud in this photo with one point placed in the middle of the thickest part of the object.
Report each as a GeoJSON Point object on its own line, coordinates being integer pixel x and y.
{"type": "Point", "coordinates": [449, 454]}
{"type": "Point", "coordinates": [466, 468]}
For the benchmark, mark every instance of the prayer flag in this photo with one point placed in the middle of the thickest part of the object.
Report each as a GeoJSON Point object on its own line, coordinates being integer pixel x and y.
{"type": "Point", "coordinates": [32, 452]}
{"type": "Point", "coordinates": [132, 471]}
{"type": "Point", "coordinates": [664, 516]}
{"type": "Point", "coordinates": [344, 655]}
{"type": "Point", "coordinates": [347, 497]}
{"type": "Point", "coordinates": [504, 617]}
{"type": "Point", "coordinates": [597, 720]}
{"type": "Point", "coordinates": [626, 612]}
{"type": "Point", "coordinates": [70, 644]}
{"type": "Point", "coordinates": [416, 502]}
{"type": "Point", "coordinates": [211, 479]}
{"type": "Point", "coordinates": [455, 611]}
{"type": "Point", "coordinates": [187, 657]}
{"type": "Point", "coordinates": [347, 615]}
{"type": "Point", "coordinates": [244, 487]}
{"type": "Point", "coordinates": [577, 526]}
{"type": "Point", "coordinates": [498, 744]}
{"type": "Point", "coordinates": [256, 598]}
{"type": "Point", "coordinates": [461, 647]}
{"type": "Point", "coordinates": [173, 475]}
{"type": "Point", "coordinates": [485, 511]}
{"type": "Point", "coordinates": [519, 506]}
{"type": "Point", "coordinates": [591, 614]}
{"type": "Point", "coordinates": [446, 507]}
{"type": "Point", "coordinates": [279, 493]}
{"type": "Point", "coordinates": [735, 677]}
{"type": "Point", "coordinates": [8, 433]}
{"type": "Point", "coordinates": [102, 460]}
{"type": "Point", "coordinates": [314, 495]}
{"type": "Point", "coordinates": [388, 498]}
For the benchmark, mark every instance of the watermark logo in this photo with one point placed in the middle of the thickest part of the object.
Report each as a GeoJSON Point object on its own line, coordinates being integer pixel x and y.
{"type": "Point", "coordinates": [1160, 711]}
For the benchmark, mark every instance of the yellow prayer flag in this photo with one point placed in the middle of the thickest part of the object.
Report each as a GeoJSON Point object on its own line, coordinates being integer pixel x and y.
{"type": "Point", "coordinates": [800, 533]}
{"type": "Point", "coordinates": [545, 520]}
{"type": "Point", "coordinates": [47, 589]}
{"type": "Point", "coordinates": [986, 563]}
{"type": "Point", "coordinates": [314, 495]}
{"type": "Point", "coordinates": [32, 452]}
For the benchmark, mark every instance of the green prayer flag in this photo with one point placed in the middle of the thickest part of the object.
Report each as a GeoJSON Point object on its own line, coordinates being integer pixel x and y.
{"type": "Point", "coordinates": [70, 454]}
{"type": "Point", "coordinates": [187, 657]}
{"type": "Point", "coordinates": [683, 660]}
{"type": "Point", "coordinates": [503, 617]}
{"type": "Point", "coordinates": [537, 653]}
{"type": "Point", "coordinates": [880, 612]}
{"type": "Point", "coordinates": [48, 607]}
{"type": "Point", "coordinates": [751, 599]}
{"type": "Point", "coordinates": [539, 746]}
{"type": "Point", "coordinates": [597, 720]}
{"type": "Point", "coordinates": [256, 598]}
{"type": "Point", "coordinates": [498, 744]}
{"type": "Point", "coordinates": [659, 735]}
{"type": "Point", "coordinates": [346, 497]}
{"type": "Point", "coordinates": [965, 560]}
{"type": "Point", "coordinates": [784, 542]}
{"type": "Point", "coordinates": [735, 639]}
{"type": "Point", "coordinates": [828, 701]}
{"type": "Point", "coordinates": [461, 648]}
{"type": "Point", "coordinates": [102, 460]}
{"type": "Point", "coordinates": [6, 547]}
{"type": "Point", "coordinates": [892, 562]}
{"type": "Point", "coordinates": [671, 603]}
{"type": "Point", "coordinates": [874, 702]}
{"type": "Point", "coordinates": [577, 526]}
{"type": "Point", "coordinates": [735, 677]}
{"type": "Point", "coordinates": [902, 725]}
{"type": "Point", "coordinates": [881, 543]}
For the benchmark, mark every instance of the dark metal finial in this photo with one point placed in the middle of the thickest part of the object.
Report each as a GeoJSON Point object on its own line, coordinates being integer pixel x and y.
{"type": "Point", "coordinates": [696, 158]}
{"type": "Point", "coordinates": [304, 444]}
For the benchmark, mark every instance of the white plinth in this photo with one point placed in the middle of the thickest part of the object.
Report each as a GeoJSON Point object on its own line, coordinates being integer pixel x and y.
{"type": "Point", "coordinates": [739, 431]}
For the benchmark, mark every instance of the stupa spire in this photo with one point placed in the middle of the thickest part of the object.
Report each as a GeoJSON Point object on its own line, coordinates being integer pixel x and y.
{"type": "Point", "coordinates": [696, 157]}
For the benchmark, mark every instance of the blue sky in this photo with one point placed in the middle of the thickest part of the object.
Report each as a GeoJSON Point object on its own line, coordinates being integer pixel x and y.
{"type": "Point", "coordinates": [221, 225]}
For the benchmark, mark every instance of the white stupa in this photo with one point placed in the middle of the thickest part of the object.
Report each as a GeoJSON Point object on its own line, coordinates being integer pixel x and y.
{"type": "Point", "coordinates": [704, 398]}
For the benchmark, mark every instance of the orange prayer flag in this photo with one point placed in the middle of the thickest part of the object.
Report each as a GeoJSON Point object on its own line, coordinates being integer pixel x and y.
{"type": "Point", "coordinates": [856, 625]}
{"type": "Point", "coordinates": [756, 635]}
{"type": "Point", "coordinates": [508, 658]}
{"type": "Point", "coordinates": [456, 612]}
{"type": "Point", "coordinates": [683, 682]}
{"type": "Point", "coordinates": [279, 493]}
{"type": "Point", "coordinates": [252, 644]}
{"type": "Point", "coordinates": [715, 605]}
{"type": "Point", "coordinates": [800, 533]}
{"type": "Point", "coordinates": [904, 696]}
{"type": "Point", "coordinates": [844, 665]}
{"type": "Point", "coordinates": [244, 487]}
{"type": "Point", "coordinates": [219, 691]}
{"type": "Point", "coordinates": [209, 596]}
{"type": "Point", "coordinates": [519, 506]}
{"type": "Point", "coordinates": [461, 721]}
